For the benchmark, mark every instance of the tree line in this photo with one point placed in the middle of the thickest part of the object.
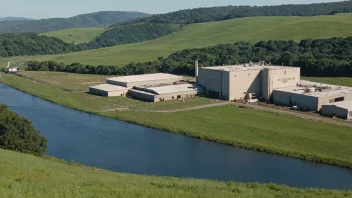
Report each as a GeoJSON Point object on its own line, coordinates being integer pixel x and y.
{"type": "Point", "coordinates": [18, 134]}
{"type": "Point", "coordinates": [319, 57]}
{"type": "Point", "coordinates": [199, 15]}
{"type": "Point", "coordinates": [126, 34]}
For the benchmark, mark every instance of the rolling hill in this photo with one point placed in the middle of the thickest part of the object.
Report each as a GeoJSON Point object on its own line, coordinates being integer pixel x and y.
{"type": "Point", "coordinates": [212, 33]}
{"type": "Point", "coordinates": [97, 19]}
{"type": "Point", "coordinates": [76, 35]}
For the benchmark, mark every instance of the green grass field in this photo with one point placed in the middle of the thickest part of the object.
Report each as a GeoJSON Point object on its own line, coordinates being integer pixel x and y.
{"type": "Point", "coordinates": [331, 80]}
{"type": "Point", "coordinates": [24, 175]}
{"type": "Point", "coordinates": [253, 129]}
{"type": "Point", "coordinates": [209, 34]}
{"type": "Point", "coordinates": [76, 35]}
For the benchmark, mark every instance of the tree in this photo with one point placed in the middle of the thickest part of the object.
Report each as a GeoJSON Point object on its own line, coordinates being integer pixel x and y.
{"type": "Point", "coordinates": [18, 134]}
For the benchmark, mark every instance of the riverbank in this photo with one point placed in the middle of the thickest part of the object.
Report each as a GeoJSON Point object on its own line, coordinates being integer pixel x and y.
{"type": "Point", "coordinates": [252, 129]}
{"type": "Point", "coordinates": [24, 175]}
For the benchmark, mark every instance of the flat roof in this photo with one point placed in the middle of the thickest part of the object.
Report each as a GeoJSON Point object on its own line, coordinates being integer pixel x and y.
{"type": "Point", "coordinates": [145, 77]}
{"type": "Point", "coordinates": [175, 88]}
{"type": "Point", "coordinates": [321, 89]}
{"type": "Point", "coordinates": [246, 67]}
{"type": "Point", "coordinates": [108, 87]}
{"type": "Point", "coordinates": [343, 104]}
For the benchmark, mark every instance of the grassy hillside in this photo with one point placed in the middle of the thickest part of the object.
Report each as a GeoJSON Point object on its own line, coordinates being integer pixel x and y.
{"type": "Point", "coordinates": [28, 176]}
{"type": "Point", "coordinates": [76, 35]}
{"type": "Point", "coordinates": [208, 34]}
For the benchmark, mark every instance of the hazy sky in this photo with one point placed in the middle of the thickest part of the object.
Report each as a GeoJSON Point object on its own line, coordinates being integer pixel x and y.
{"type": "Point", "coordinates": [66, 8]}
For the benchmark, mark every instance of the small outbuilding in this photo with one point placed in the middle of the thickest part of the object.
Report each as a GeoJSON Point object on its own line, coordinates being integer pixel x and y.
{"type": "Point", "coordinates": [144, 80]}
{"type": "Point", "coordinates": [108, 90]}
{"type": "Point", "coordinates": [338, 109]}
{"type": "Point", "coordinates": [165, 93]}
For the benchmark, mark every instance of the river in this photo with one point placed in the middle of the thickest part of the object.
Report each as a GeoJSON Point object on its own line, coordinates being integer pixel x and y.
{"type": "Point", "coordinates": [119, 146]}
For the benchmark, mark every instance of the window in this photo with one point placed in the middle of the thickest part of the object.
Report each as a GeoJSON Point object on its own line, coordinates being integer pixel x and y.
{"type": "Point", "coordinates": [179, 97]}
{"type": "Point", "coordinates": [339, 99]}
{"type": "Point", "coordinates": [173, 97]}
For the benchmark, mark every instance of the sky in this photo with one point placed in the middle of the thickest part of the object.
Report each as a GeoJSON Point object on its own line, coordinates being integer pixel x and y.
{"type": "Point", "coordinates": [38, 9]}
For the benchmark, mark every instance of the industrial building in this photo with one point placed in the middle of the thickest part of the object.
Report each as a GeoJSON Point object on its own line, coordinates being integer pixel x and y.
{"type": "Point", "coordinates": [339, 109]}
{"type": "Point", "coordinates": [164, 93]}
{"type": "Point", "coordinates": [108, 90]}
{"type": "Point", "coordinates": [238, 82]}
{"type": "Point", "coordinates": [311, 96]}
{"type": "Point", "coordinates": [148, 87]}
{"type": "Point", "coordinates": [144, 80]}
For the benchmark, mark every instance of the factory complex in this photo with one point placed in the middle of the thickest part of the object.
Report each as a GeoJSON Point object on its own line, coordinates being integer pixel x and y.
{"type": "Point", "coordinates": [251, 82]}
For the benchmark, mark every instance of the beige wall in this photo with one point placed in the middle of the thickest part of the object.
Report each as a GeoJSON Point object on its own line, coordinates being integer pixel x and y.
{"type": "Point", "coordinates": [332, 110]}
{"type": "Point", "coordinates": [326, 100]}
{"type": "Point", "coordinates": [279, 78]}
{"type": "Point", "coordinates": [175, 96]}
{"type": "Point", "coordinates": [243, 82]}
{"type": "Point", "coordinates": [107, 93]}
{"type": "Point", "coordinates": [304, 102]}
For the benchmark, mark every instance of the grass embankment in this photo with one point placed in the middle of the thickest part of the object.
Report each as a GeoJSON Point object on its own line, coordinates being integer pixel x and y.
{"type": "Point", "coordinates": [76, 35]}
{"type": "Point", "coordinates": [253, 129]}
{"type": "Point", "coordinates": [213, 33]}
{"type": "Point", "coordinates": [24, 175]}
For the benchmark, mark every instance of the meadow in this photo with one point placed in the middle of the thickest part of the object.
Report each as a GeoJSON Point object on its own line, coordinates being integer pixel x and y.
{"type": "Point", "coordinates": [199, 35]}
{"type": "Point", "coordinates": [24, 175]}
{"type": "Point", "coordinates": [246, 128]}
{"type": "Point", "coordinates": [76, 35]}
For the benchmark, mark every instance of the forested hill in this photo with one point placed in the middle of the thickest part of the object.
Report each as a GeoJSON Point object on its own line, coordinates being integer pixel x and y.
{"type": "Point", "coordinates": [32, 44]}
{"type": "Point", "coordinates": [98, 19]}
{"type": "Point", "coordinates": [230, 12]}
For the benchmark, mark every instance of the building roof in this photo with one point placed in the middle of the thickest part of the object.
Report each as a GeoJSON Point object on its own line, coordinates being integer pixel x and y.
{"type": "Point", "coordinates": [174, 88]}
{"type": "Point", "coordinates": [108, 87]}
{"type": "Point", "coordinates": [145, 77]}
{"type": "Point", "coordinates": [317, 89]}
{"type": "Point", "coordinates": [246, 67]}
{"type": "Point", "coordinates": [343, 104]}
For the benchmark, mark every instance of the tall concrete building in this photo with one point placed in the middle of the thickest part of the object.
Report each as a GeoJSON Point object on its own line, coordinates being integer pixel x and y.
{"type": "Point", "coordinates": [238, 82]}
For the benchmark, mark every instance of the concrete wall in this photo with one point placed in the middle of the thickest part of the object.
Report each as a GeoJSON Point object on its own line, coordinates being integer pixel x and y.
{"type": "Point", "coordinates": [279, 78]}
{"type": "Point", "coordinates": [330, 99]}
{"type": "Point", "coordinates": [107, 93]}
{"type": "Point", "coordinates": [175, 96]}
{"type": "Point", "coordinates": [214, 81]}
{"type": "Point", "coordinates": [304, 102]}
{"type": "Point", "coordinates": [141, 95]}
{"type": "Point", "coordinates": [243, 82]}
{"type": "Point", "coordinates": [112, 82]}
{"type": "Point", "coordinates": [332, 110]}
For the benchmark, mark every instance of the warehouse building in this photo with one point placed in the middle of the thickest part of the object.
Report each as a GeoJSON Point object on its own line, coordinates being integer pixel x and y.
{"type": "Point", "coordinates": [338, 109]}
{"type": "Point", "coordinates": [108, 90]}
{"type": "Point", "coordinates": [239, 82]}
{"type": "Point", "coordinates": [144, 80]}
{"type": "Point", "coordinates": [311, 96]}
{"type": "Point", "coordinates": [165, 93]}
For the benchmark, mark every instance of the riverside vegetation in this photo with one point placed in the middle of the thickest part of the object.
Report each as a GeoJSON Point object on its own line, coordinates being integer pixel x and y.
{"type": "Point", "coordinates": [245, 128]}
